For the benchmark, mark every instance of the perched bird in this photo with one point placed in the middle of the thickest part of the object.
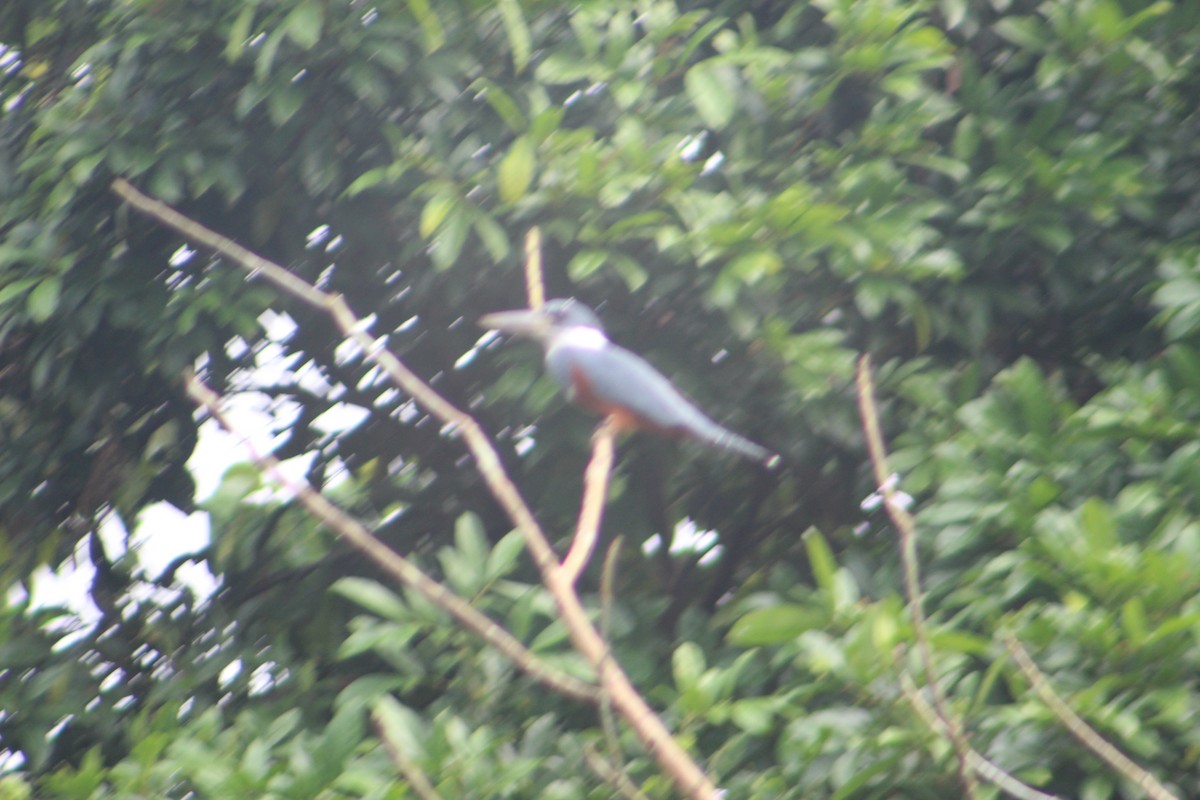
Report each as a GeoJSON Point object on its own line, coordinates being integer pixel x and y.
{"type": "Point", "coordinates": [613, 382]}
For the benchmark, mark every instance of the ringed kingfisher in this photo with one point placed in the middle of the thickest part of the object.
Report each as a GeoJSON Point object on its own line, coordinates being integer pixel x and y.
{"type": "Point", "coordinates": [612, 381]}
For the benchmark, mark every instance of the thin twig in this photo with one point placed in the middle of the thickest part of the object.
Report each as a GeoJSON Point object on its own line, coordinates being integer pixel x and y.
{"type": "Point", "coordinates": [611, 775]}
{"type": "Point", "coordinates": [687, 775]}
{"type": "Point", "coordinates": [535, 288]}
{"type": "Point", "coordinates": [608, 723]}
{"type": "Point", "coordinates": [1087, 735]}
{"type": "Point", "coordinates": [403, 570]}
{"type": "Point", "coordinates": [418, 781]}
{"type": "Point", "coordinates": [595, 493]}
{"type": "Point", "coordinates": [906, 527]}
{"type": "Point", "coordinates": [985, 769]}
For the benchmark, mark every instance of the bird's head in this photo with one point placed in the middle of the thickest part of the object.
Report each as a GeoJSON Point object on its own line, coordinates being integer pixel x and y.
{"type": "Point", "coordinates": [554, 319]}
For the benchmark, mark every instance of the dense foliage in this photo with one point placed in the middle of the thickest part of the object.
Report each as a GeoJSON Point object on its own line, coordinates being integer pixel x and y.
{"type": "Point", "coordinates": [998, 199]}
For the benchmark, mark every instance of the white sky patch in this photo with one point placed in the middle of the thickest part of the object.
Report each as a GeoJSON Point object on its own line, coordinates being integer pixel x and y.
{"type": "Point", "coordinates": [316, 236]}
{"type": "Point", "coordinates": [878, 497]}
{"type": "Point", "coordinates": [687, 538]}
{"type": "Point", "coordinates": [279, 326]}
{"type": "Point", "coordinates": [387, 398]}
{"type": "Point", "coordinates": [340, 417]}
{"type": "Point", "coordinates": [164, 534]}
{"type": "Point", "coordinates": [348, 351]}
{"type": "Point", "coordinates": [692, 145]}
{"type": "Point", "coordinates": [372, 377]}
{"type": "Point", "coordinates": [482, 342]}
{"type": "Point", "coordinates": [525, 439]}
{"type": "Point", "coordinates": [181, 256]}
{"type": "Point", "coordinates": [230, 673]}
{"type": "Point", "coordinates": [70, 585]}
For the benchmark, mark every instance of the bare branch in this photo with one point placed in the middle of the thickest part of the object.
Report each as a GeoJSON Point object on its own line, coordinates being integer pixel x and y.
{"type": "Point", "coordinates": [535, 289]}
{"type": "Point", "coordinates": [988, 770]}
{"type": "Point", "coordinates": [608, 723]}
{"type": "Point", "coordinates": [595, 493]}
{"type": "Point", "coordinates": [1080, 729]}
{"type": "Point", "coordinates": [396, 565]}
{"type": "Point", "coordinates": [418, 781]}
{"type": "Point", "coordinates": [611, 775]}
{"type": "Point", "coordinates": [906, 527]}
{"type": "Point", "coordinates": [671, 757]}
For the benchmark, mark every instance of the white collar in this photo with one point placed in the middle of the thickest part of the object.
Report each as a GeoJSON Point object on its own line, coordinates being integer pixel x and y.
{"type": "Point", "coordinates": [583, 337]}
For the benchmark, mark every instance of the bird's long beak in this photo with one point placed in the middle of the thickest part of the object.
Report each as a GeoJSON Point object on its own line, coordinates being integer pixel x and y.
{"type": "Point", "coordinates": [523, 322]}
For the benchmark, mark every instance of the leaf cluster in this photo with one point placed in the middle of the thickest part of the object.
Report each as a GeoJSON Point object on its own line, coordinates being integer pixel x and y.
{"type": "Point", "coordinates": [997, 200]}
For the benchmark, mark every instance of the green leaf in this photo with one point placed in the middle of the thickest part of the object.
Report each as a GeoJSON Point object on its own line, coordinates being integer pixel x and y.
{"type": "Point", "coordinates": [470, 540]}
{"type": "Point", "coordinates": [463, 570]}
{"type": "Point", "coordinates": [516, 170]}
{"type": "Point", "coordinates": [13, 290]}
{"type": "Point", "coordinates": [1054, 234]}
{"type": "Point", "coordinates": [449, 242]}
{"type": "Point", "coordinates": [755, 715]}
{"type": "Point", "coordinates": [557, 68]}
{"type": "Point", "coordinates": [585, 264]}
{"type": "Point", "coordinates": [375, 177]}
{"type": "Point", "coordinates": [821, 561]}
{"type": "Point", "coordinates": [1027, 32]}
{"type": "Point", "coordinates": [502, 104]}
{"type": "Point", "coordinates": [401, 727]}
{"type": "Point", "coordinates": [43, 300]}
{"type": "Point", "coordinates": [821, 652]}
{"type": "Point", "coordinates": [434, 214]}
{"type": "Point", "coordinates": [431, 27]}
{"type": "Point", "coordinates": [1099, 525]}
{"type": "Point", "coordinates": [374, 597]}
{"type": "Point", "coordinates": [775, 625]}
{"type": "Point", "coordinates": [952, 168]}
{"type": "Point", "coordinates": [753, 267]}
{"type": "Point", "coordinates": [303, 24]}
{"type": "Point", "coordinates": [713, 91]}
{"type": "Point", "coordinates": [504, 556]}
{"type": "Point", "coordinates": [239, 33]}
{"type": "Point", "coordinates": [630, 271]}
{"type": "Point", "coordinates": [687, 665]}
{"type": "Point", "coordinates": [1133, 621]}
{"type": "Point", "coordinates": [519, 39]}
{"type": "Point", "coordinates": [237, 483]}
{"type": "Point", "coordinates": [492, 234]}
{"type": "Point", "coordinates": [167, 184]}
{"type": "Point", "coordinates": [284, 102]}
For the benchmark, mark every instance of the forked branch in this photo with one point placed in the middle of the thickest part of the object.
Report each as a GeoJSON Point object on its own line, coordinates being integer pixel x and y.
{"type": "Point", "coordinates": [1080, 729]}
{"type": "Point", "coordinates": [684, 772]}
{"type": "Point", "coordinates": [907, 529]}
{"type": "Point", "coordinates": [396, 565]}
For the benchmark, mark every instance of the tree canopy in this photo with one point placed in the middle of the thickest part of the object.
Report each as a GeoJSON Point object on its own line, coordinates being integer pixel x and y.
{"type": "Point", "coordinates": [997, 200]}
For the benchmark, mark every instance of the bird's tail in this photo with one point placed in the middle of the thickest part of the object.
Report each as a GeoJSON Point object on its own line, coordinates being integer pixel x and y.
{"type": "Point", "coordinates": [728, 440]}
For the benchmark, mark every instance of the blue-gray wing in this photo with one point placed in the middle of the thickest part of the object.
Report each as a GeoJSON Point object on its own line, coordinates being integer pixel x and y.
{"type": "Point", "coordinates": [617, 378]}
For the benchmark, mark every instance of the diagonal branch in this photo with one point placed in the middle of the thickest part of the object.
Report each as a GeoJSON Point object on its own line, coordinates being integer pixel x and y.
{"type": "Point", "coordinates": [907, 529]}
{"type": "Point", "coordinates": [418, 781]}
{"type": "Point", "coordinates": [595, 492]}
{"type": "Point", "coordinates": [1080, 729]}
{"type": "Point", "coordinates": [687, 775]}
{"type": "Point", "coordinates": [988, 770]}
{"type": "Point", "coordinates": [396, 565]}
{"type": "Point", "coordinates": [535, 289]}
